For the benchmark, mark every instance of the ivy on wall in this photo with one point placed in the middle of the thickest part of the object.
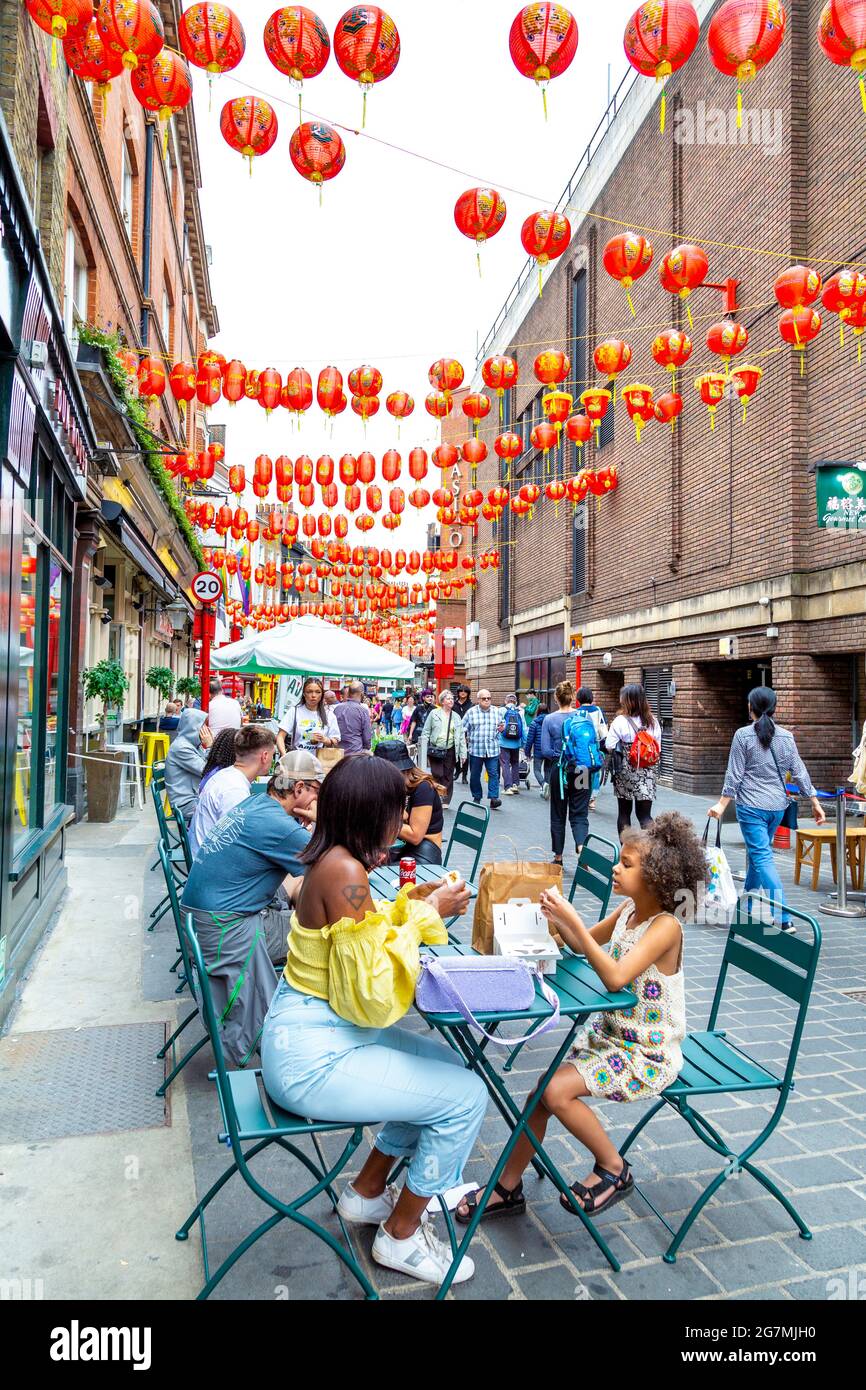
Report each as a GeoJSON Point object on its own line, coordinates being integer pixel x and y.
{"type": "Point", "coordinates": [110, 346]}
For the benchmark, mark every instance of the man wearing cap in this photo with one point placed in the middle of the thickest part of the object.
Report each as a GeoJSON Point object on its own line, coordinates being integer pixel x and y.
{"type": "Point", "coordinates": [240, 890]}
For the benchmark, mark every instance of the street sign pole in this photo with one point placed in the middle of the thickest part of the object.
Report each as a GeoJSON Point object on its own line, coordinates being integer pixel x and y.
{"type": "Point", "coordinates": [207, 587]}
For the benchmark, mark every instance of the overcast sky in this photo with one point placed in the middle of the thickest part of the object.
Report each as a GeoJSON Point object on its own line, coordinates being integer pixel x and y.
{"type": "Point", "coordinates": [380, 274]}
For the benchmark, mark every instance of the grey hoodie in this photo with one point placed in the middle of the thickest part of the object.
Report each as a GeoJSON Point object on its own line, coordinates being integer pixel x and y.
{"type": "Point", "coordinates": [185, 763]}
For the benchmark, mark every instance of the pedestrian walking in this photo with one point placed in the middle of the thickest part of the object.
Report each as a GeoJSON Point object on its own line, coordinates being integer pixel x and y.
{"type": "Point", "coordinates": [353, 721]}
{"type": "Point", "coordinates": [532, 749]}
{"type": "Point", "coordinates": [587, 706]}
{"type": "Point", "coordinates": [512, 733]}
{"type": "Point", "coordinates": [571, 752]}
{"type": "Point", "coordinates": [387, 715]}
{"type": "Point", "coordinates": [762, 752]}
{"type": "Point", "coordinates": [223, 711]}
{"type": "Point", "coordinates": [406, 715]}
{"type": "Point", "coordinates": [310, 724]}
{"type": "Point", "coordinates": [481, 727]}
{"type": "Point", "coordinates": [443, 744]}
{"type": "Point", "coordinates": [421, 713]}
{"type": "Point", "coordinates": [462, 706]}
{"type": "Point", "coordinates": [635, 740]}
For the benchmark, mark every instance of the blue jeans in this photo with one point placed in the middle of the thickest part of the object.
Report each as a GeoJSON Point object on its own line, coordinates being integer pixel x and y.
{"type": "Point", "coordinates": [538, 769]}
{"type": "Point", "coordinates": [475, 766]}
{"type": "Point", "coordinates": [316, 1064]}
{"type": "Point", "coordinates": [758, 829]}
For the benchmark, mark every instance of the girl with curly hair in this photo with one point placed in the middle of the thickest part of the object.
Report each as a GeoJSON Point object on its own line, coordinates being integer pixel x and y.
{"type": "Point", "coordinates": [628, 1054]}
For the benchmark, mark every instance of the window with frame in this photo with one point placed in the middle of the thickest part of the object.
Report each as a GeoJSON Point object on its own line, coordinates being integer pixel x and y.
{"type": "Point", "coordinates": [540, 665]}
{"type": "Point", "coordinates": [578, 549]}
{"type": "Point", "coordinates": [605, 429]}
{"type": "Point", "coordinates": [75, 284]}
{"type": "Point", "coordinates": [167, 318]}
{"type": "Point", "coordinates": [127, 186]}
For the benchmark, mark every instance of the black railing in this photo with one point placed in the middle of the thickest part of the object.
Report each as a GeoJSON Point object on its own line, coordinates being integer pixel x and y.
{"type": "Point", "coordinates": [630, 77]}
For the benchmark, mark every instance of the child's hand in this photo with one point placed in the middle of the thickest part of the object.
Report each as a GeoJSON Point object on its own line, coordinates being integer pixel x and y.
{"type": "Point", "coordinates": [560, 913]}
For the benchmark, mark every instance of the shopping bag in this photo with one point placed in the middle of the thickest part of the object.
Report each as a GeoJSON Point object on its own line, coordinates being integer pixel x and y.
{"type": "Point", "coordinates": [502, 879]}
{"type": "Point", "coordinates": [720, 895]}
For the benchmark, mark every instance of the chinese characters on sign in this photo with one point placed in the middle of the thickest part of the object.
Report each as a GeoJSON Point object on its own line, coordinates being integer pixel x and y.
{"type": "Point", "coordinates": [840, 491]}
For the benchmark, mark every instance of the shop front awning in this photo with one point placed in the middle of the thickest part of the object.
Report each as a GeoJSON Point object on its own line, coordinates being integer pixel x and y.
{"type": "Point", "coordinates": [133, 542]}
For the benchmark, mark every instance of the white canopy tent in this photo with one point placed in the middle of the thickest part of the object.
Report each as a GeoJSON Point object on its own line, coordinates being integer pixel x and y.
{"type": "Point", "coordinates": [310, 646]}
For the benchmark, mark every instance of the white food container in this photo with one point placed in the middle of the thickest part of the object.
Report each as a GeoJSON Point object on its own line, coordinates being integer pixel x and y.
{"type": "Point", "coordinates": [520, 931]}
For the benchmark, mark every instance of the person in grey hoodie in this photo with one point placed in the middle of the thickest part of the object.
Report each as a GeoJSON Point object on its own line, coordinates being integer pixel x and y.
{"type": "Point", "coordinates": [185, 761]}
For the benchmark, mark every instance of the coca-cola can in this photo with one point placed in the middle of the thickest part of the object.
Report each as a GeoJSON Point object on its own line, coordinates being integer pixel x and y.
{"type": "Point", "coordinates": [407, 871]}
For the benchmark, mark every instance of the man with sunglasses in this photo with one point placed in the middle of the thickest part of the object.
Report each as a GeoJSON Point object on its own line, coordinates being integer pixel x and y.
{"type": "Point", "coordinates": [481, 727]}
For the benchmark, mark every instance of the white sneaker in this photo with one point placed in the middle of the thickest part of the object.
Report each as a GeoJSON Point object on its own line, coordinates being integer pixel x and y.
{"type": "Point", "coordinates": [545, 791]}
{"type": "Point", "coordinates": [367, 1211]}
{"type": "Point", "coordinates": [423, 1256]}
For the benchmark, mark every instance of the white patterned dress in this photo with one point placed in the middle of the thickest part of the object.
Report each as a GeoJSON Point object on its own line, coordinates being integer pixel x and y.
{"type": "Point", "coordinates": [634, 1053]}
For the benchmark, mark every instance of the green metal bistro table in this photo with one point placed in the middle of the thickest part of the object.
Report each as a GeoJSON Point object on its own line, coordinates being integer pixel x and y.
{"type": "Point", "coordinates": [385, 881]}
{"type": "Point", "coordinates": [581, 994]}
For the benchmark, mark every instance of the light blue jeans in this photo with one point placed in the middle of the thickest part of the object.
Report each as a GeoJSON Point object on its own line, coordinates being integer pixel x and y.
{"type": "Point", "coordinates": [316, 1064]}
{"type": "Point", "coordinates": [759, 827]}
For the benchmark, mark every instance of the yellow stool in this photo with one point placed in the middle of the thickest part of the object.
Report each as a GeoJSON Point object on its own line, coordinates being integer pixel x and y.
{"type": "Point", "coordinates": [155, 750]}
{"type": "Point", "coordinates": [22, 795]}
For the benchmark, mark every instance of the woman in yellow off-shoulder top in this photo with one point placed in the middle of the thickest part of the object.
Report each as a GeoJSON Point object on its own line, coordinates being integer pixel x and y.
{"type": "Point", "coordinates": [330, 1050]}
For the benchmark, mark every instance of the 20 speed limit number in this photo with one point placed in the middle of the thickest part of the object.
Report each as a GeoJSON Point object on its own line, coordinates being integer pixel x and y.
{"type": "Point", "coordinates": [207, 586]}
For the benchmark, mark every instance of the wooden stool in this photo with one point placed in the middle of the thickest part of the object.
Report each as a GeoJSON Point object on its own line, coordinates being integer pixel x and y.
{"type": "Point", "coordinates": [857, 836]}
{"type": "Point", "coordinates": [150, 743]}
{"type": "Point", "coordinates": [810, 844]}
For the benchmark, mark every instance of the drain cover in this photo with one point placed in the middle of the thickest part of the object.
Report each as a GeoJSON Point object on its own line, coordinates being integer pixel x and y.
{"type": "Point", "coordinates": [81, 1081]}
{"type": "Point", "coordinates": [858, 995]}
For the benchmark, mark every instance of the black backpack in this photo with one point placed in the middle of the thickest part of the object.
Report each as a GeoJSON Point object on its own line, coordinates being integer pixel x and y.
{"type": "Point", "coordinates": [512, 724]}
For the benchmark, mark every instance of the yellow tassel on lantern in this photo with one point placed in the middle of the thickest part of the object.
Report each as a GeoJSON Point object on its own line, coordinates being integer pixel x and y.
{"type": "Point", "coordinates": [689, 315]}
{"type": "Point", "coordinates": [662, 115]}
{"type": "Point", "coordinates": [630, 305]}
{"type": "Point", "coordinates": [863, 92]}
{"type": "Point", "coordinates": [364, 112]}
{"type": "Point", "coordinates": [544, 100]}
{"type": "Point", "coordinates": [478, 260]}
{"type": "Point", "coordinates": [739, 109]}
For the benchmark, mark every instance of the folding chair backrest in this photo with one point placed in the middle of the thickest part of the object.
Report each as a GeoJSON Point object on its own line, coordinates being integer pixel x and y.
{"type": "Point", "coordinates": [785, 963]}
{"type": "Point", "coordinates": [470, 829]}
{"type": "Point", "coordinates": [171, 889]}
{"type": "Point", "coordinates": [183, 838]}
{"type": "Point", "coordinates": [594, 872]}
{"type": "Point", "coordinates": [209, 1015]}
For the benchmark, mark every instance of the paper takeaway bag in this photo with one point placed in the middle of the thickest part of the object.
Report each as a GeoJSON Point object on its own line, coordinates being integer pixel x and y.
{"type": "Point", "coordinates": [504, 879]}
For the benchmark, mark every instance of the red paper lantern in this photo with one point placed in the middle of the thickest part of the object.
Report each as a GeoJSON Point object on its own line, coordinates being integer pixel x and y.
{"type": "Point", "coordinates": [131, 28]}
{"type": "Point", "coordinates": [554, 491]}
{"type": "Point", "coordinates": [396, 500]}
{"type": "Point", "coordinates": [60, 18]}
{"type": "Point", "coordinates": [400, 405]}
{"type": "Point", "coordinates": [545, 235]}
{"type": "Point", "coordinates": [418, 464]}
{"type": "Point", "coordinates": [626, 258]}
{"type": "Point", "coordinates": [746, 379]}
{"type": "Point", "coordinates": [317, 152]}
{"type": "Point", "coordinates": [330, 496]}
{"type": "Point", "coordinates": [479, 214]}
{"type": "Point", "coordinates": [798, 327]}
{"type": "Point", "coordinates": [283, 469]}
{"type": "Point", "coordinates": [249, 125]}
{"type": "Point", "coordinates": [306, 495]}
{"type": "Point", "coordinates": [659, 38]}
{"type": "Point", "coordinates": [352, 498]}
{"type": "Point", "coordinates": [324, 470]}
{"type": "Point", "coordinates": [253, 385]}
{"type": "Point", "coordinates": [542, 43]}
{"type": "Point", "coordinates": [151, 378]}
{"type": "Point", "coordinates": [446, 375]}
{"type": "Point", "coordinates": [341, 526]}
{"type": "Point", "coordinates": [329, 389]}
{"type": "Point", "coordinates": [551, 367]}
{"type": "Point", "coordinates": [557, 407]}
{"type": "Point", "coordinates": [500, 374]}
{"type": "Point", "coordinates": [682, 271]}
{"type": "Point", "coordinates": [742, 38]}
{"type": "Point", "coordinates": [223, 519]}
{"type": "Point", "coordinates": [182, 382]}
{"type": "Point", "coordinates": [445, 456]}
{"type": "Point", "coordinates": [366, 468]}
{"type": "Point", "coordinates": [797, 286]}
{"type": "Point", "coordinates": [711, 387]}
{"type": "Point", "coordinates": [474, 452]}
{"type": "Point", "coordinates": [668, 407]}
{"type": "Point", "coordinates": [476, 406]}
{"type": "Point", "coordinates": [298, 391]}
{"type": "Point", "coordinates": [508, 446]}
{"type": "Point", "coordinates": [842, 35]}
{"type": "Point", "coordinates": [726, 339]}
{"type": "Point", "coordinates": [89, 57]}
{"type": "Point", "coordinates": [163, 85]}
{"type": "Point", "coordinates": [640, 406]}
{"type": "Point", "coordinates": [365, 406]}
{"type": "Point", "coordinates": [672, 348]}
{"type": "Point", "coordinates": [391, 465]}
{"type": "Point", "coordinates": [348, 469]}
{"type": "Point", "coordinates": [420, 498]}
{"type": "Point", "coordinates": [845, 295]}
{"type": "Point", "coordinates": [544, 437]}
{"type": "Point", "coordinates": [234, 381]}
{"type": "Point", "coordinates": [612, 357]}
{"type": "Point", "coordinates": [438, 405]}
{"type": "Point", "coordinates": [365, 381]}
{"type": "Point", "coordinates": [208, 384]}
{"type": "Point", "coordinates": [270, 389]}
{"type": "Point", "coordinates": [366, 47]}
{"type": "Point", "coordinates": [303, 470]}
{"type": "Point", "coordinates": [237, 479]}
{"type": "Point", "coordinates": [578, 428]}
{"type": "Point", "coordinates": [211, 37]}
{"type": "Point", "coordinates": [298, 44]}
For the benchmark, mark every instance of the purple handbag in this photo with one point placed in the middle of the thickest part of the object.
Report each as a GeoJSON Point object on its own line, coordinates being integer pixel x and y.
{"type": "Point", "coordinates": [482, 984]}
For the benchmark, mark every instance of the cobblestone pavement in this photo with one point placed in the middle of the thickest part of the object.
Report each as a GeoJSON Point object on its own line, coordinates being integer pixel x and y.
{"type": "Point", "coordinates": [743, 1246]}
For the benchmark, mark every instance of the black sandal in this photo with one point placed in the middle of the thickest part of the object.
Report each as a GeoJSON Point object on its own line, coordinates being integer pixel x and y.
{"type": "Point", "coordinates": [621, 1184]}
{"type": "Point", "coordinates": [512, 1204]}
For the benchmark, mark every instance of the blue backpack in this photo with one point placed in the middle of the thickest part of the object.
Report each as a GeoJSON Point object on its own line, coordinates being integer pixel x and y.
{"type": "Point", "coordinates": [580, 746]}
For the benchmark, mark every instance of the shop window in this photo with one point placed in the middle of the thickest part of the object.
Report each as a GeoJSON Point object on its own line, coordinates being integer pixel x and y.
{"type": "Point", "coordinates": [22, 816]}
{"type": "Point", "coordinates": [540, 665]}
{"type": "Point", "coordinates": [53, 684]}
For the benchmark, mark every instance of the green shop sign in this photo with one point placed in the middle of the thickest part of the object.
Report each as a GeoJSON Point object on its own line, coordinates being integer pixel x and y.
{"type": "Point", "coordinates": [840, 490]}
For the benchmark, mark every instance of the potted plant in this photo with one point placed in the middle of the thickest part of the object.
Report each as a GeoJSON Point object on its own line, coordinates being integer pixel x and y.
{"type": "Point", "coordinates": [107, 683]}
{"type": "Point", "coordinates": [189, 687]}
{"type": "Point", "coordinates": [160, 679]}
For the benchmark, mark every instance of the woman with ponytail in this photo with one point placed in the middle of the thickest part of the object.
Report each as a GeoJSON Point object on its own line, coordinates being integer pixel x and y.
{"type": "Point", "coordinates": [761, 755]}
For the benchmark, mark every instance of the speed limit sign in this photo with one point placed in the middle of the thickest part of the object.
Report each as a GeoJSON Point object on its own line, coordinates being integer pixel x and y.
{"type": "Point", "coordinates": [207, 586]}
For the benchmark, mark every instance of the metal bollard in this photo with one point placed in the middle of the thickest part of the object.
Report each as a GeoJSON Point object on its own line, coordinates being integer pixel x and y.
{"type": "Point", "coordinates": [837, 905]}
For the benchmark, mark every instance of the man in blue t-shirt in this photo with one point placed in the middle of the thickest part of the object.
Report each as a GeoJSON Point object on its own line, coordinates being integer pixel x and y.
{"type": "Point", "coordinates": [240, 890]}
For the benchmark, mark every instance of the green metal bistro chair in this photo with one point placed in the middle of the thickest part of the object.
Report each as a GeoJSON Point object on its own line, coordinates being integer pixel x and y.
{"type": "Point", "coordinates": [594, 872]}
{"type": "Point", "coordinates": [177, 848]}
{"type": "Point", "coordinates": [158, 778]}
{"type": "Point", "coordinates": [713, 1066]}
{"type": "Point", "coordinates": [469, 829]}
{"type": "Point", "coordinates": [251, 1123]}
{"type": "Point", "coordinates": [188, 978]}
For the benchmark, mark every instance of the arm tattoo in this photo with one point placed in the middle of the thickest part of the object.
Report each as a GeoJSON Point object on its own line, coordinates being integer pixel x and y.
{"type": "Point", "coordinates": [356, 894]}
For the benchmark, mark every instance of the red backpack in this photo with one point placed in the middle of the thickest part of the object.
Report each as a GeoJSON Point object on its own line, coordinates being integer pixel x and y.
{"type": "Point", "coordinates": [644, 749]}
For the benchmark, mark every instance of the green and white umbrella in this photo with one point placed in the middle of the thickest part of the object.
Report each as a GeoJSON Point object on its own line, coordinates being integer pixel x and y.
{"type": "Point", "coordinates": [310, 646]}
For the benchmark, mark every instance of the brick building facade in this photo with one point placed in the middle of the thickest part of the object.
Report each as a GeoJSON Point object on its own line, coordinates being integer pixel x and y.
{"type": "Point", "coordinates": [711, 535]}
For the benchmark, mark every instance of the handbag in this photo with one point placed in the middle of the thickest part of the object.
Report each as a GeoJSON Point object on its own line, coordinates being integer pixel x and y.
{"type": "Point", "coordinates": [721, 897]}
{"type": "Point", "coordinates": [471, 984]}
{"type": "Point", "coordinates": [789, 816]}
